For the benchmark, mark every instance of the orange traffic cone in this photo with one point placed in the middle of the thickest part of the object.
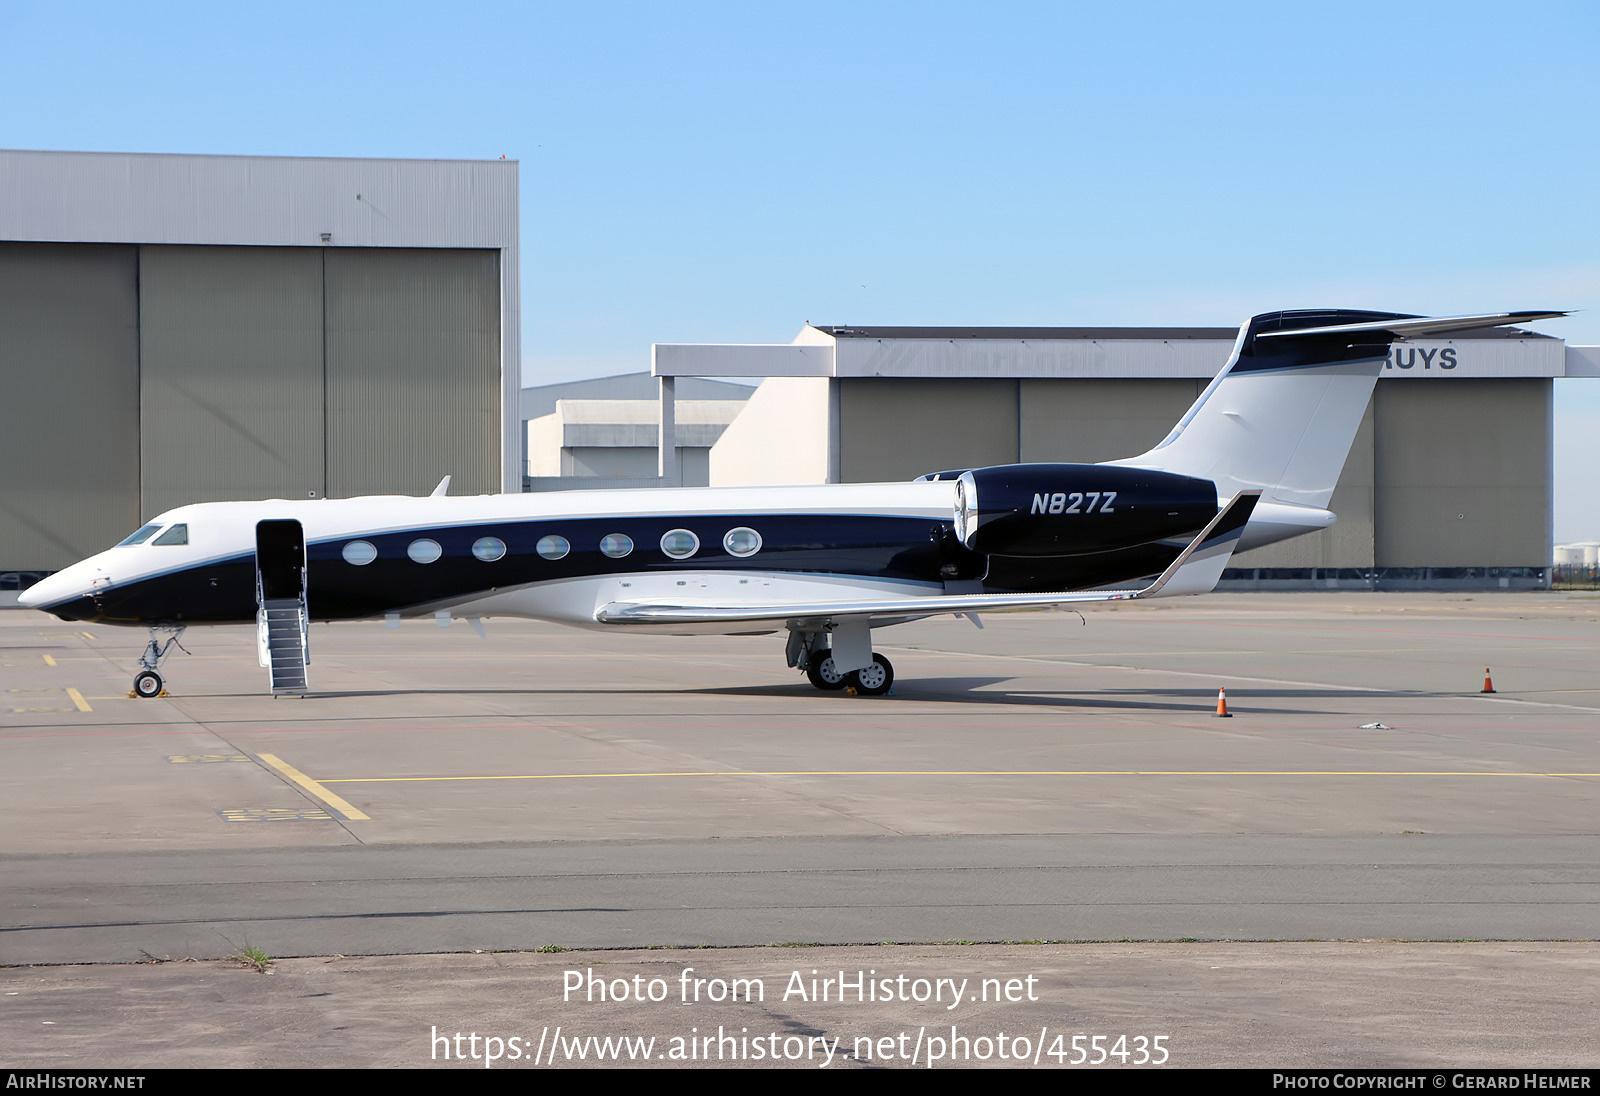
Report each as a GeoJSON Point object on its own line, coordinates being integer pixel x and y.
{"type": "Point", "coordinates": [1488, 686]}
{"type": "Point", "coordinates": [1222, 703]}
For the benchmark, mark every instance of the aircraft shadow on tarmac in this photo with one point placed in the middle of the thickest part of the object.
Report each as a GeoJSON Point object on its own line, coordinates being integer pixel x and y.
{"type": "Point", "coordinates": [978, 690]}
{"type": "Point", "coordinates": [944, 690]}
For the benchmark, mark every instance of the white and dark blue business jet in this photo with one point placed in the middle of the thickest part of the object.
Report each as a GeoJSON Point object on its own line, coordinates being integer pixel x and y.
{"type": "Point", "coordinates": [1253, 461]}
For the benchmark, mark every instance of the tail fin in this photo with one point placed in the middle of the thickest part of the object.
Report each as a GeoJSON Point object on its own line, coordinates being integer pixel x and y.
{"type": "Point", "coordinates": [1282, 414]}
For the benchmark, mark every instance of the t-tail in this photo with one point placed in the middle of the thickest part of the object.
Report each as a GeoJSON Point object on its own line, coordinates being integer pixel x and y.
{"type": "Point", "coordinates": [1281, 416]}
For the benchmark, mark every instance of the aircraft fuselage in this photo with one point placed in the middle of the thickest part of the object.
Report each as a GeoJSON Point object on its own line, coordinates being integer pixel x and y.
{"type": "Point", "coordinates": [558, 555]}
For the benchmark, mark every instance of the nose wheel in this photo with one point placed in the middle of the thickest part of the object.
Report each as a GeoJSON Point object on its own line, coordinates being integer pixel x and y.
{"type": "Point", "coordinates": [147, 683]}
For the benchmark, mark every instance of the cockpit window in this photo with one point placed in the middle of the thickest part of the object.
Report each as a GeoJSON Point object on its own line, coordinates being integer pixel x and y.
{"type": "Point", "coordinates": [143, 534]}
{"type": "Point", "coordinates": [176, 534]}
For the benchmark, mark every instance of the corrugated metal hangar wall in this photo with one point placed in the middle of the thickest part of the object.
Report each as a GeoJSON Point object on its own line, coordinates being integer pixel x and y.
{"type": "Point", "coordinates": [146, 377]}
{"type": "Point", "coordinates": [69, 422]}
{"type": "Point", "coordinates": [178, 329]}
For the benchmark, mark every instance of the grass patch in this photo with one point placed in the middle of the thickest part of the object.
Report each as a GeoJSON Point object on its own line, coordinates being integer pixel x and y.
{"type": "Point", "coordinates": [253, 957]}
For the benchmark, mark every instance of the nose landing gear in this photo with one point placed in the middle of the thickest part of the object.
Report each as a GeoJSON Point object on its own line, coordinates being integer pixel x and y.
{"type": "Point", "coordinates": [147, 683]}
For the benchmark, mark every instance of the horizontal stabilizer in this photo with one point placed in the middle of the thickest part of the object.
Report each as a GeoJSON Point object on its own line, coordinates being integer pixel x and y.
{"type": "Point", "coordinates": [1415, 327]}
{"type": "Point", "coordinates": [1195, 571]}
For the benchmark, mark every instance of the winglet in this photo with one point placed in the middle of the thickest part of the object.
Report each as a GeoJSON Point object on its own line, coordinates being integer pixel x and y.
{"type": "Point", "coordinates": [442, 489]}
{"type": "Point", "coordinates": [1199, 566]}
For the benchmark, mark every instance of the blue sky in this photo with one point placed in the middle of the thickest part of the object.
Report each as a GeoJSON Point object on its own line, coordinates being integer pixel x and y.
{"type": "Point", "coordinates": [726, 172]}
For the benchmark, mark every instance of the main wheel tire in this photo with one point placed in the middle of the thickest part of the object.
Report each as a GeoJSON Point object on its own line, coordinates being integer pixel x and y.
{"type": "Point", "coordinates": [874, 680]}
{"type": "Point", "coordinates": [147, 684]}
{"type": "Point", "coordinates": [820, 672]}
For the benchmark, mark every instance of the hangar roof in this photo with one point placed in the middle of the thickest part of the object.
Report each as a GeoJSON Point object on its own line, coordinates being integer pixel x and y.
{"type": "Point", "coordinates": [841, 351]}
{"type": "Point", "coordinates": [293, 201]}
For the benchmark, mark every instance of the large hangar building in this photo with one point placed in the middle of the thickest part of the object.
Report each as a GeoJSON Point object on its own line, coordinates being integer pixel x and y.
{"type": "Point", "coordinates": [1448, 482]}
{"type": "Point", "coordinates": [179, 329]}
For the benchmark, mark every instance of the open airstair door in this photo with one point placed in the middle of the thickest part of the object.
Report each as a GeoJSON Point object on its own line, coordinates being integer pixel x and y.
{"type": "Point", "coordinates": [281, 617]}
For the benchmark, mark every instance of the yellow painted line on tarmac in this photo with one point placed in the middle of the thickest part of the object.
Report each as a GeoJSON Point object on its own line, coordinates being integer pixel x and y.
{"type": "Point", "coordinates": [930, 772]}
{"type": "Point", "coordinates": [77, 699]}
{"type": "Point", "coordinates": [87, 635]}
{"type": "Point", "coordinates": [316, 789]}
{"type": "Point", "coordinates": [49, 661]}
{"type": "Point", "coordinates": [271, 814]}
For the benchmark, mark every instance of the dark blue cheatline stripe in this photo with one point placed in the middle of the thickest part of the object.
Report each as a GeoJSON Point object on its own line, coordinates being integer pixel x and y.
{"type": "Point", "coordinates": [223, 590]}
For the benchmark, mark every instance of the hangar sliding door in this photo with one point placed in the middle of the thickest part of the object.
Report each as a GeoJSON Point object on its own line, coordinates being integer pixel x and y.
{"type": "Point", "coordinates": [69, 419]}
{"type": "Point", "coordinates": [903, 427]}
{"type": "Point", "coordinates": [413, 359]}
{"type": "Point", "coordinates": [1089, 419]}
{"type": "Point", "coordinates": [1463, 472]}
{"type": "Point", "coordinates": [231, 368]}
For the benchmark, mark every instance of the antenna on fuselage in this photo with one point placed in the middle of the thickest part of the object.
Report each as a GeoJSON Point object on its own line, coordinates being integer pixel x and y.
{"type": "Point", "coordinates": [442, 489]}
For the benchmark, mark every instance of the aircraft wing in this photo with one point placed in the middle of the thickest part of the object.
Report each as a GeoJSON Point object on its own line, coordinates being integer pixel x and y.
{"type": "Point", "coordinates": [1195, 571]}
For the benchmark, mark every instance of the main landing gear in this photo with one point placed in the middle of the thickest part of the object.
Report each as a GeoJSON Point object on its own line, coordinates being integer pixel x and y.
{"type": "Point", "coordinates": [808, 651]}
{"type": "Point", "coordinates": [820, 672]}
{"type": "Point", "coordinates": [147, 682]}
{"type": "Point", "coordinates": [874, 680]}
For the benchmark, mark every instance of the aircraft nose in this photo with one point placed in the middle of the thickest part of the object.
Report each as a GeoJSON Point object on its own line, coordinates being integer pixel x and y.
{"type": "Point", "coordinates": [35, 595]}
{"type": "Point", "coordinates": [56, 589]}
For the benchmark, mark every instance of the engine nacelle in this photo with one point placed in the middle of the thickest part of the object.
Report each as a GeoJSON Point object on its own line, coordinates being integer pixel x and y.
{"type": "Point", "coordinates": [1076, 509]}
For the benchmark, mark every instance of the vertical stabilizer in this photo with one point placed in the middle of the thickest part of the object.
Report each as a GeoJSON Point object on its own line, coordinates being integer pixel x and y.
{"type": "Point", "coordinates": [1282, 414]}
